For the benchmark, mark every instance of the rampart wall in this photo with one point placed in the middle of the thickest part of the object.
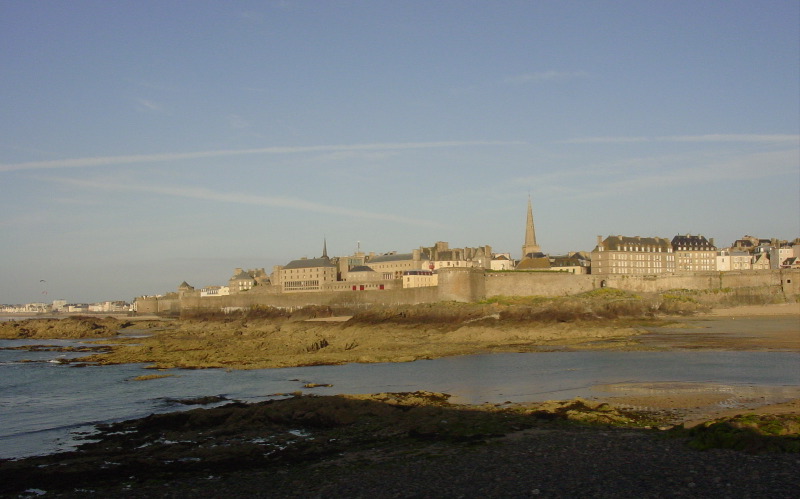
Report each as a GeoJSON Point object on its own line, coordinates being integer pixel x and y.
{"type": "Point", "coordinates": [296, 300]}
{"type": "Point", "coordinates": [470, 285]}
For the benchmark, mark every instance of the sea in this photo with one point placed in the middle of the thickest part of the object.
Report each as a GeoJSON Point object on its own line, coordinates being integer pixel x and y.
{"type": "Point", "coordinates": [48, 406]}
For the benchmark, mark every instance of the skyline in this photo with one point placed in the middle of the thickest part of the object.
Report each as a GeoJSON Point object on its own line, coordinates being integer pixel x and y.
{"type": "Point", "coordinates": [148, 143]}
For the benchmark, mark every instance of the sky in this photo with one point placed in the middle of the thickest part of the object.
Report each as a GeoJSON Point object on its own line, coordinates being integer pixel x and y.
{"type": "Point", "coordinates": [145, 143]}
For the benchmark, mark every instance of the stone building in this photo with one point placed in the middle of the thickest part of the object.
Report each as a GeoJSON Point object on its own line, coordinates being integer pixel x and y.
{"type": "Point", "coordinates": [442, 256]}
{"type": "Point", "coordinates": [420, 278]}
{"type": "Point", "coordinates": [530, 247]}
{"type": "Point", "coordinates": [532, 256]}
{"type": "Point", "coordinates": [305, 274]}
{"type": "Point", "coordinates": [694, 253]}
{"type": "Point", "coordinates": [244, 280]}
{"type": "Point", "coordinates": [632, 255]}
{"type": "Point", "coordinates": [392, 265]}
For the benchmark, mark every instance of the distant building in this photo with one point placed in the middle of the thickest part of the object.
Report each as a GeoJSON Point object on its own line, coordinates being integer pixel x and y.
{"type": "Point", "coordinates": [392, 265]}
{"type": "Point", "coordinates": [185, 288]}
{"type": "Point", "coordinates": [530, 247]}
{"type": "Point", "coordinates": [214, 291]}
{"type": "Point", "coordinates": [420, 279]}
{"type": "Point", "coordinates": [632, 255]}
{"type": "Point", "coordinates": [245, 280]}
{"type": "Point", "coordinates": [306, 274]}
{"type": "Point", "coordinates": [728, 260]}
{"type": "Point", "coordinates": [694, 253]}
{"type": "Point", "coordinates": [575, 263]}
{"type": "Point", "coordinates": [502, 261]}
{"type": "Point", "coordinates": [761, 261]}
{"type": "Point", "coordinates": [363, 273]}
{"type": "Point", "coordinates": [532, 256]}
{"type": "Point", "coordinates": [442, 256]}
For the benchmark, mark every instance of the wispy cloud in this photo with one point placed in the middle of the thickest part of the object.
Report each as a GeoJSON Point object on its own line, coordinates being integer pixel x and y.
{"type": "Point", "coordinates": [673, 172]}
{"type": "Point", "coordinates": [542, 76]}
{"type": "Point", "coordinates": [752, 138]}
{"type": "Point", "coordinates": [149, 105]}
{"type": "Point", "coordinates": [237, 198]}
{"type": "Point", "coordinates": [152, 158]}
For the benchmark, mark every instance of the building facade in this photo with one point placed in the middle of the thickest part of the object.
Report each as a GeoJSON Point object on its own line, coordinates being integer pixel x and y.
{"type": "Point", "coordinates": [632, 255]}
{"type": "Point", "coordinates": [304, 275]}
{"type": "Point", "coordinates": [694, 253]}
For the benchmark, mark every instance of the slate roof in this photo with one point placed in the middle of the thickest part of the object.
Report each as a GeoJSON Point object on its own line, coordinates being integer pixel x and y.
{"type": "Point", "coordinates": [616, 243]}
{"type": "Point", "coordinates": [692, 242]}
{"type": "Point", "coordinates": [309, 263]}
{"type": "Point", "coordinates": [397, 257]}
{"type": "Point", "coordinates": [361, 268]}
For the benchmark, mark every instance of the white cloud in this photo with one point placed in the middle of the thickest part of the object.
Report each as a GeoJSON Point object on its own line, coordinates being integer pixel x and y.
{"type": "Point", "coordinates": [749, 138]}
{"type": "Point", "coordinates": [149, 105]}
{"type": "Point", "coordinates": [152, 158]}
{"type": "Point", "coordinates": [238, 198]}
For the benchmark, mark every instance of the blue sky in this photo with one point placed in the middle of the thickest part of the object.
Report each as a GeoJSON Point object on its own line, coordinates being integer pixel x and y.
{"type": "Point", "coordinates": [150, 142]}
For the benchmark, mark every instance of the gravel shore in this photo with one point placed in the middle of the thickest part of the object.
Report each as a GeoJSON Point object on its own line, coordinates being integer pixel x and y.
{"type": "Point", "coordinates": [566, 462]}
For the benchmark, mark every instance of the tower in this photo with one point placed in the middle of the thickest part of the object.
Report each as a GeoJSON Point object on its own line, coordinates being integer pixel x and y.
{"type": "Point", "coordinates": [530, 245]}
{"type": "Point", "coordinates": [325, 247]}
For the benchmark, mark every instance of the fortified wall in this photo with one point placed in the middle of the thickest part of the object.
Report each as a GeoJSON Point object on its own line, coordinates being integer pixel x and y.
{"type": "Point", "coordinates": [471, 285]}
{"type": "Point", "coordinates": [785, 282]}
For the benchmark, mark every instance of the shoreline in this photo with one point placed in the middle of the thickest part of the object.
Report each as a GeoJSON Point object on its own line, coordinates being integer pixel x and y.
{"type": "Point", "coordinates": [328, 446]}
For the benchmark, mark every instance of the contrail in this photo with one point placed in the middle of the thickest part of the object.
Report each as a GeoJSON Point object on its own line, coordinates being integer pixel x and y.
{"type": "Point", "coordinates": [152, 158]}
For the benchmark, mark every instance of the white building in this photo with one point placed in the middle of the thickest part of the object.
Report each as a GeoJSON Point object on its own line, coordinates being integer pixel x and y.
{"type": "Point", "coordinates": [214, 291]}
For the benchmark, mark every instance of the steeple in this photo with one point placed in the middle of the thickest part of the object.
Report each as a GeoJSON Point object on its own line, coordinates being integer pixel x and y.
{"type": "Point", "coordinates": [324, 247]}
{"type": "Point", "coordinates": [530, 245]}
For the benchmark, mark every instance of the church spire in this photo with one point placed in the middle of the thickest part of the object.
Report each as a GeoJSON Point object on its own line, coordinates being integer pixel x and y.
{"type": "Point", "coordinates": [530, 245]}
{"type": "Point", "coordinates": [324, 247]}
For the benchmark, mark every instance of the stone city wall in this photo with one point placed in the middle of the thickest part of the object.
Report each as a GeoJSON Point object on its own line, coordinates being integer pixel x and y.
{"type": "Point", "coordinates": [536, 284]}
{"type": "Point", "coordinates": [296, 300]}
{"type": "Point", "coordinates": [471, 285]}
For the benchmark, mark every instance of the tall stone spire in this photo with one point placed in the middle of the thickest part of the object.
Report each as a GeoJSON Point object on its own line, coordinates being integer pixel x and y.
{"type": "Point", "coordinates": [324, 247]}
{"type": "Point", "coordinates": [530, 245]}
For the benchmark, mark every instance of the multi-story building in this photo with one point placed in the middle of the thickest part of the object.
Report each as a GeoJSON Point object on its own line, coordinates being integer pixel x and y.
{"type": "Point", "coordinates": [305, 274]}
{"type": "Point", "coordinates": [694, 253]}
{"type": "Point", "coordinates": [392, 265]}
{"type": "Point", "coordinates": [244, 280]}
{"type": "Point", "coordinates": [420, 278]}
{"type": "Point", "coordinates": [761, 261]}
{"type": "Point", "coordinates": [444, 257]}
{"type": "Point", "coordinates": [214, 291]}
{"type": "Point", "coordinates": [632, 255]}
{"type": "Point", "coordinates": [729, 259]}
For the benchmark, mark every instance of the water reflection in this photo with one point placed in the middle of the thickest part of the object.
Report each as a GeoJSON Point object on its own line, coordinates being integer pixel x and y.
{"type": "Point", "coordinates": [42, 402]}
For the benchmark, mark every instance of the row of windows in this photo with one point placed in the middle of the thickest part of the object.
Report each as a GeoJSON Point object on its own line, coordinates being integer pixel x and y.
{"type": "Point", "coordinates": [639, 257]}
{"type": "Point", "coordinates": [301, 285]}
{"type": "Point", "coordinates": [653, 265]}
{"type": "Point", "coordinates": [644, 249]}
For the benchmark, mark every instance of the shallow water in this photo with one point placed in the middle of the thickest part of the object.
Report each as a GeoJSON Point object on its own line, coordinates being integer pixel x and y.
{"type": "Point", "coordinates": [44, 404]}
